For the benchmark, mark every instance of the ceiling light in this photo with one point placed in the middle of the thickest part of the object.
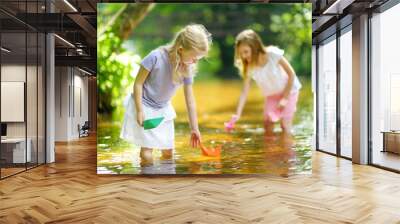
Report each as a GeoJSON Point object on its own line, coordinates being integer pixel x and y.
{"type": "Point", "coordinates": [64, 40]}
{"type": "Point", "coordinates": [70, 5]}
{"type": "Point", "coordinates": [5, 49]}
{"type": "Point", "coordinates": [337, 7]}
{"type": "Point", "coordinates": [86, 72]}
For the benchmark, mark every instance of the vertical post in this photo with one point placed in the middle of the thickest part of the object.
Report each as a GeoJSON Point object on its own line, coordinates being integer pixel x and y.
{"type": "Point", "coordinates": [317, 97]}
{"type": "Point", "coordinates": [1, 165]}
{"type": "Point", "coordinates": [315, 92]}
{"type": "Point", "coordinates": [338, 76]}
{"type": "Point", "coordinates": [360, 90]}
{"type": "Point", "coordinates": [369, 90]}
{"type": "Point", "coordinates": [50, 93]}
{"type": "Point", "coordinates": [37, 89]}
{"type": "Point", "coordinates": [26, 88]}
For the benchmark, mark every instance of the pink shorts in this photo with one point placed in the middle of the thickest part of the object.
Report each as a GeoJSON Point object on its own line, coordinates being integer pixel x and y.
{"type": "Point", "coordinates": [272, 111]}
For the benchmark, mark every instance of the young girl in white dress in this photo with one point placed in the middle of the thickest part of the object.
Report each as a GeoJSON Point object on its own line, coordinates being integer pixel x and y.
{"type": "Point", "coordinates": [273, 74]}
{"type": "Point", "coordinates": [161, 73]}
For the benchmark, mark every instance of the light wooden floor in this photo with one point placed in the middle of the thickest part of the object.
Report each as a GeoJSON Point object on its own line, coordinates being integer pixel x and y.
{"type": "Point", "coordinates": [69, 191]}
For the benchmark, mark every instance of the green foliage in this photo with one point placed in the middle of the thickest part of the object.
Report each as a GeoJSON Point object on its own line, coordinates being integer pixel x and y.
{"type": "Point", "coordinates": [294, 29]}
{"type": "Point", "coordinates": [115, 68]}
{"type": "Point", "coordinates": [210, 65]}
{"type": "Point", "coordinates": [287, 26]}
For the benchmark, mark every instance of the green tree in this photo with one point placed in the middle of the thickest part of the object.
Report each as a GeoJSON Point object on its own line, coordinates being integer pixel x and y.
{"type": "Point", "coordinates": [285, 25]}
{"type": "Point", "coordinates": [114, 64]}
{"type": "Point", "coordinates": [294, 29]}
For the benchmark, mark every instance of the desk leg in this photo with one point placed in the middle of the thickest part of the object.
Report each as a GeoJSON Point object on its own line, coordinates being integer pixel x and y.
{"type": "Point", "coordinates": [384, 142]}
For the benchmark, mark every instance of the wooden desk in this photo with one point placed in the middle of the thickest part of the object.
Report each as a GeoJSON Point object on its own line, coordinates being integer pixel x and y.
{"type": "Point", "coordinates": [391, 141]}
{"type": "Point", "coordinates": [16, 148]}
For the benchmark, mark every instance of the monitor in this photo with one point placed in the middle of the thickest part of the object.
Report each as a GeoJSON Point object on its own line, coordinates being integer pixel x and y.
{"type": "Point", "coordinates": [3, 129]}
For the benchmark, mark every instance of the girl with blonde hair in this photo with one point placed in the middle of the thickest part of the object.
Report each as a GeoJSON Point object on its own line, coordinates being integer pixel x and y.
{"type": "Point", "coordinates": [161, 73]}
{"type": "Point", "coordinates": [273, 74]}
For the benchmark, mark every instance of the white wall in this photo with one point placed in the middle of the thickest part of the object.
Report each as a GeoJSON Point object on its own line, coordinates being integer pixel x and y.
{"type": "Point", "coordinates": [80, 100]}
{"type": "Point", "coordinates": [14, 73]}
{"type": "Point", "coordinates": [33, 127]}
{"type": "Point", "coordinates": [71, 87]}
{"type": "Point", "coordinates": [61, 103]}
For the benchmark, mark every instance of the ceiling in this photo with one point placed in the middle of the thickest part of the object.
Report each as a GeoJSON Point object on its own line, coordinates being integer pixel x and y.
{"type": "Point", "coordinates": [331, 15]}
{"type": "Point", "coordinates": [74, 21]}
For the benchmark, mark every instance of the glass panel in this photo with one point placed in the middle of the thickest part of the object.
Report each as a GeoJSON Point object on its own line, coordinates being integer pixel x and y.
{"type": "Point", "coordinates": [386, 89]}
{"type": "Point", "coordinates": [41, 99]}
{"type": "Point", "coordinates": [313, 86]}
{"type": "Point", "coordinates": [23, 87]}
{"type": "Point", "coordinates": [327, 96]}
{"type": "Point", "coordinates": [32, 85]}
{"type": "Point", "coordinates": [346, 94]}
{"type": "Point", "coordinates": [13, 86]}
{"type": "Point", "coordinates": [32, 95]}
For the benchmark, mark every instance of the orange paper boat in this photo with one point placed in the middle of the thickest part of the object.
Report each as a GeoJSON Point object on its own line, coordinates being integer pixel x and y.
{"type": "Point", "coordinates": [215, 152]}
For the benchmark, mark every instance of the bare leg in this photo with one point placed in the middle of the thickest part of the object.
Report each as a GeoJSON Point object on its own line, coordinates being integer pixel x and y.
{"type": "Point", "coordinates": [166, 154]}
{"type": "Point", "coordinates": [146, 156]}
{"type": "Point", "coordinates": [286, 125]}
{"type": "Point", "coordinates": [286, 140]}
{"type": "Point", "coordinates": [268, 127]}
{"type": "Point", "coordinates": [167, 163]}
{"type": "Point", "coordinates": [269, 131]}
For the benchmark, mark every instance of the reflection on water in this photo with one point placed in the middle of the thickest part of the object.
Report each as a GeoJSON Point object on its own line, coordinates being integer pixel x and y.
{"type": "Point", "coordinates": [245, 150]}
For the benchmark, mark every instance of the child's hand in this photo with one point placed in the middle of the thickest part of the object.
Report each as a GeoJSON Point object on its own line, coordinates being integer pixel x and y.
{"type": "Point", "coordinates": [195, 138]}
{"type": "Point", "coordinates": [282, 103]}
{"type": "Point", "coordinates": [231, 124]}
{"type": "Point", "coordinates": [140, 118]}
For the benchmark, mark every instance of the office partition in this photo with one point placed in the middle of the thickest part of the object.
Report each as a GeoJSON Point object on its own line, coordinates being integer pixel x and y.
{"type": "Point", "coordinates": [22, 77]}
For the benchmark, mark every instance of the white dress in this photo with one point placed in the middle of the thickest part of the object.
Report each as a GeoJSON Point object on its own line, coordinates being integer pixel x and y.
{"type": "Point", "coordinates": [162, 137]}
{"type": "Point", "coordinates": [272, 78]}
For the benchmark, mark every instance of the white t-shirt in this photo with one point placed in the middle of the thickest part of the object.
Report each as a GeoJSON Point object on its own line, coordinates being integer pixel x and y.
{"type": "Point", "coordinates": [272, 78]}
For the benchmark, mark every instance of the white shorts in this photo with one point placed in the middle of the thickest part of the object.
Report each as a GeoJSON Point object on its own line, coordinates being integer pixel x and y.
{"type": "Point", "coordinates": [162, 137]}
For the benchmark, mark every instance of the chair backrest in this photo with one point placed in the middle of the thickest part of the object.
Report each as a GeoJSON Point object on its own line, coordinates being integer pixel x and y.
{"type": "Point", "coordinates": [86, 124]}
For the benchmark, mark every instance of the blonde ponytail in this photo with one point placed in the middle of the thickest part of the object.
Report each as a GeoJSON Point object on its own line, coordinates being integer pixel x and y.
{"type": "Point", "coordinates": [191, 37]}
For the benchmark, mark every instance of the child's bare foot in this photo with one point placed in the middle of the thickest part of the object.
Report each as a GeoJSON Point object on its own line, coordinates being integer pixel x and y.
{"type": "Point", "coordinates": [270, 137]}
{"type": "Point", "coordinates": [268, 127]}
{"type": "Point", "coordinates": [166, 154]}
{"type": "Point", "coordinates": [146, 157]}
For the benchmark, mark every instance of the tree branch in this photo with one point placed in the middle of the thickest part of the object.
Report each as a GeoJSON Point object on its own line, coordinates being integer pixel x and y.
{"type": "Point", "coordinates": [131, 17]}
